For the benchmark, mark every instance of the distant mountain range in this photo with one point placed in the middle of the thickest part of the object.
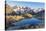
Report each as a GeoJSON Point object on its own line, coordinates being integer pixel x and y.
{"type": "Point", "coordinates": [23, 10]}
{"type": "Point", "coordinates": [20, 9]}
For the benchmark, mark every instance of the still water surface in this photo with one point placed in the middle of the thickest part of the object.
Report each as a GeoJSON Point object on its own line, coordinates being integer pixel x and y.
{"type": "Point", "coordinates": [25, 22]}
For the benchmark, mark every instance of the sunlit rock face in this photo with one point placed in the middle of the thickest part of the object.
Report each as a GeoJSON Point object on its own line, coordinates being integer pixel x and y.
{"type": "Point", "coordinates": [9, 9]}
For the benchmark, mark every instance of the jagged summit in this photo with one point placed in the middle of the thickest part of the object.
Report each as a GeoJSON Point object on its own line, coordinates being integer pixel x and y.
{"type": "Point", "coordinates": [26, 9]}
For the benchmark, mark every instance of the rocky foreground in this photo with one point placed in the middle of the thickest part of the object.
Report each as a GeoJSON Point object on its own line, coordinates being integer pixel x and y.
{"type": "Point", "coordinates": [17, 18]}
{"type": "Point", "coordinates": [12, 19]}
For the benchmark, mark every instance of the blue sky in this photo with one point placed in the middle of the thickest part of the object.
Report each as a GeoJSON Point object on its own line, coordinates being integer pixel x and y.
{"type": "Point", "coordinates": [28, 4]}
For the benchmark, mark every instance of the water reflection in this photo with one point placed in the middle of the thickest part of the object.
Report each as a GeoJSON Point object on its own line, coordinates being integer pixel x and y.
{"type": "Point", "coordinates": [25, 22]}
